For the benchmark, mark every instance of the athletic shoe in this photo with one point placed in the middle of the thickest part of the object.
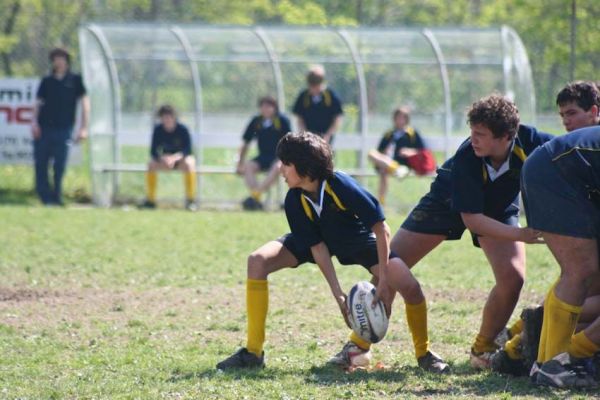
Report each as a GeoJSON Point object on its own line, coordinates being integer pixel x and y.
{"type": "Point", "coordinates": [190, 205]}
{"type": "Point", "coordinates": [148, 205]}
{"type": "Point", "coordinates": [242, 359]}
{"type": "Point", "coordinates": [533, 318]}
{"type": "Point", "coordinates": [433, 363]}
{"type": "Point", "coordinates": [481, 360]}
{"type": "Point", "coordinates": [503, 337]}
{"type": "Point", "coordinates": [561, 373]}
{"type": "Point", "coordinates": [351, 356]}
{"type": "Point", "coordinates": [251, 204]}
{"type": "Point", "coordinates": [503, 364]}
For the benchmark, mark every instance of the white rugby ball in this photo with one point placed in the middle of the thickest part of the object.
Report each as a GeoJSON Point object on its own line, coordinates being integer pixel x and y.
{"type": "Point", "coordinates": [368, 322]}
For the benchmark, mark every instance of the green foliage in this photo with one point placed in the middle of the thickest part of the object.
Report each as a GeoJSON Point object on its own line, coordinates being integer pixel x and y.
{"type": "Point", "coordinates": [544, 25]}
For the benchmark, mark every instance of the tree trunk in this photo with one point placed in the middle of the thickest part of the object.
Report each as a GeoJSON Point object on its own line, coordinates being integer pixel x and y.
{"type": "Point", "coordinates": [7, 31]}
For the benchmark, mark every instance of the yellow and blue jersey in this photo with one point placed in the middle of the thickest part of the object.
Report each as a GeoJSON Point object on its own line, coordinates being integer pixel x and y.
{"type": "Point", "coordinates": [398, 139]}
{"type": "Point", "coordinates": [341, 217]}
{"type": "Point", "coordinates": [318, 112]}
{"type": "Point", "coordinates": [577, 156]}
{"type": "Point", "coordinates": [164, 142]}
{"type": "Point", "coordinates": [267, 132]}
{"type": "Point", "coordinates": [468, 181]}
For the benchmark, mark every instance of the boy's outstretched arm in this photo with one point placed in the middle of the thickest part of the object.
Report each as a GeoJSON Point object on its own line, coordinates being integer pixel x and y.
{"type": "Point", "coordinates": [322, 257]}
{"type": "Point", "coordinates": [486, 226]}
{"type": "Point", "coordinates": [384, 292]}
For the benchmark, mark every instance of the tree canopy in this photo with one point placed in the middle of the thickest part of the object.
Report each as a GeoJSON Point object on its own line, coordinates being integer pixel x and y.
{"type": "Point", "coordinates": [29, 28]}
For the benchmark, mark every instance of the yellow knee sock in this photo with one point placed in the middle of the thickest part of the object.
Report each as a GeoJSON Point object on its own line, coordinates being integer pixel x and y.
{"type": "Point", "coordinates": [189, 180]}
{"type": "Point", "coordinates": [256, 195]}
{"type": "Point", "coordinates": [393, 167]}
{"type": "Point", "coordinates": [257, 305]}
{"type": "Point", "coordinates": [360, 342]}
{"type": "Point", "coordinates": [544, 334]}
{"type": "Point", "coordinates": [581, 346]}
{"type": "Point", "coordinates": [382, 200]}
{"type": "Point", "coordinates": [416, 316]}
{"type": "Point", "coordinates": [562, 320]}
{"type": "Point", "coordinates": [151, 181]}
{"type": "Point", "coordinates": [512, 347]}
{"type": "Point", "coordinates": [483, 344]}
{"type": "Point", "coordinates": [516, 328]}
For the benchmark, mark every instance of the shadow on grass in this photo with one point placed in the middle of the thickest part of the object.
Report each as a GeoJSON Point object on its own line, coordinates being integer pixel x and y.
{"type": "Point", "coordinates": [407, 380]}
{"type": "Point", "coordinates": [28, 197]}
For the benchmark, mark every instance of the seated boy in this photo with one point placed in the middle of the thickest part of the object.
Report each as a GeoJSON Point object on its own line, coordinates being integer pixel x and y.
{"type": "Point", "coordinates": [267, 128]}
{"type": "Point", "coordinates": [171, 149]}
{"type": "Point", "coordinates": [400, 150]}
{"type": "Point", "coordinates": [329, 214]}
{"type": "Point", "coordinates": [478, 189]}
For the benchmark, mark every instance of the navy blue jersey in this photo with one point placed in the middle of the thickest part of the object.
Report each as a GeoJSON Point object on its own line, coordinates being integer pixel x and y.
{"type": "Point", "coordinates": [398, 139]}
{"type": "Point", "coordinates": [58, 99]}
{"type": "Point", "coordinates": [464, 182]}
{"type": "Point", "coordinates": [164, 142]}
{"type": "Point", "coordinates": [342, 217]}
{"type": "Point", "coordinates": [318, 112]}
{"type": "Point", "coordinates": [577, 156]}
{"type": "Point", "coordinates": [268, 132]}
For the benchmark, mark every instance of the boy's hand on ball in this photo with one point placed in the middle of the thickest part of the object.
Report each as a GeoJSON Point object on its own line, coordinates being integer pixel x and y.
{"type": "Point", "coordinates": [386, 295]}
{"type": "Point", "coordinates": [344, 309]}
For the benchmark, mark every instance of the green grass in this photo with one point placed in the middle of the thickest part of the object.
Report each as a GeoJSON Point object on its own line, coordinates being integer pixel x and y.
{"type": "Point", "coordinates": [129, 304]}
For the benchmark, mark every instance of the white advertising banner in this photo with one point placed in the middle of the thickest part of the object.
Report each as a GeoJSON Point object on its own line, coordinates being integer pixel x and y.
{"type": "Point", "coordinates": [17, 99]}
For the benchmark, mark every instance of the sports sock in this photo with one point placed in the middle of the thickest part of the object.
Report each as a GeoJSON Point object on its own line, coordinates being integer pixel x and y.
{"type": "Point", "coordinates": [512, 347]}
{"type": "Point", "coordinates": [257, 305]}
{"type": "Point", "coordinates": [151, 181]}
{"type": "Point", "coordinates": [360, 342]}
{"type": "Point", "coordinates": [416, 316]}
{"type": "Point", "coordinates": [544, 333]}
{"type": "Point", "coordinates": [562, 320]}
{"type": "Point", "coordinates": [382, 200]}
{"type": "Point", "coordinates": [189, 179]}
{"type": "Point", "coordinates": [256, 195]}
{"type": "Point", "coordinates": [581, 346]}
{"type": "Point", "coordinates": [516, 328]}
{"type": "Point", "coordinates": [393, 167]}
{"type": "Point", "coordinates": [483, 344]}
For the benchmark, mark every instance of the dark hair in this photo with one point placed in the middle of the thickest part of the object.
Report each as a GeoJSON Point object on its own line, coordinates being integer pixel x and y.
{"type": "Point", "coordinates": [270, 100]}
{"type": "Point", "coordinates": [59, 52]}
{"type": "Point", "coordinates": [316, 75]}
{"type": "Point", "coordinates": [166, 109]}
{"type": "Point", "coordinates": [497, 113]}
{"type": "Point", "coordinates": [584, 94]}
{"type": "Point", "coordinates": [310, 154]}
{"type": "Point", "coordinates": [402, 111]}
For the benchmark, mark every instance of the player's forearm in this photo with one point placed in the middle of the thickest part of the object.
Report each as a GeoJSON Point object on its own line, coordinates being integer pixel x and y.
{"type": "Point", "coordinates": [85, 111]}
{"type": "Point", "coordinates": [301, 124]}
{"type": "Point", "coordinates": [334, 126]}
{"type": "Point", "coordinates": [382, 234]}
{"type": "Point", "coordinates": [322, 257]}
{"type": "Point", "coordinates": [483, 225]}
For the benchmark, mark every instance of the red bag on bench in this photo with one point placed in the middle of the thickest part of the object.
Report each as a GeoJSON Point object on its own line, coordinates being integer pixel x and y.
{"type": "Point", "coordinates": [423, 163]}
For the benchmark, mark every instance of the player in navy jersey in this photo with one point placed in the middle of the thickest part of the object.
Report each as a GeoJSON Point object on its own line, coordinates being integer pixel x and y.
{"type": "Point", "coordinates": [478, 189]}
{"type": "Point", "coordinates": [318, 108]}
{"type": "Point", "coordinates": [400, 150]}
{"type": "Point", "coordinates": [268, 127]}
{"type": "Point", "coordinates": [561, 193]}
{"type": "Point", "coordinates": [329, 214]}
{"type": "Point", "coordinates": [578, 106]}
{"type": "Point", "coordinates": [171, 149]}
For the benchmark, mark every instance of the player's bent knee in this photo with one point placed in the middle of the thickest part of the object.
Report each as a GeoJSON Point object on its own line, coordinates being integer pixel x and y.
{"type": "Point", "coordinates": [257, 266]}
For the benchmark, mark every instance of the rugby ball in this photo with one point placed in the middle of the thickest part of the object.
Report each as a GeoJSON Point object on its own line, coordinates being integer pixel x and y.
{"type": "Point", "coordinates": [368, 322]}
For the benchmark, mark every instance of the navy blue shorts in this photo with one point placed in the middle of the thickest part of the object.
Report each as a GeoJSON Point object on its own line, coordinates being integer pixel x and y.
{"type": "Point", "coordinates": [552, 203]}
{"type": "Point", "coordinates": [264, 162]}
{"type": "Point", "coordinates": [366, 256]}
{"type": "Point", "coordinates": [435, 218]}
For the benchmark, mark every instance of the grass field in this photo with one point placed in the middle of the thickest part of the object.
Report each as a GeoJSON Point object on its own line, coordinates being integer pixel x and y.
{"type": "Point", "coordinates": [131, 304]}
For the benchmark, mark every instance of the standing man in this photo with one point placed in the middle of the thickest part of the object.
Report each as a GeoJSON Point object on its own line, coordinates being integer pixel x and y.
{"type": "Point", "coordinates": [268, 127]}
{"type": "Point", "coordinates": [318, 108]}
{"type": "Point", "coordinates": [54, 118]}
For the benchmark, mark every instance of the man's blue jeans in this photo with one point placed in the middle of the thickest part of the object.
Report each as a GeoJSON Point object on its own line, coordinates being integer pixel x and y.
{"type": "Point", "coordinates": [52, 145]}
